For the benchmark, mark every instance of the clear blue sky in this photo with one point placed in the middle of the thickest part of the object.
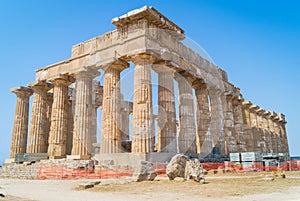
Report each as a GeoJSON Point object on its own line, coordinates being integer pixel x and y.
{"type": "Point", "coordinates": [256, 42]}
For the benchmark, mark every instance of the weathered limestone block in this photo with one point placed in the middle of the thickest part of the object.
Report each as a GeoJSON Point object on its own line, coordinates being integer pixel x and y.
{"type": "Point", "coordinates": [238, 124]}
{"type": "Point", "coordinates": [247, 125]}
{"type": "Point", "coordinates": [144, 172]}
{"type": "Point", "coordinates": [166, 110]}
{"type": "Point", "coordinates": [59, 117]}
{"type": "Point", "coordinates": [217, 120]}
{"type": "Point", "coordinates": [283, 132]}
{"type": "Point", "coordinates": [20, 127]}
{"type": "Point", "coordinates": [194, 171]}
{"type": "Point", "coordinates": [261, 133]}
{"type": "Point", "coordinates": [229, 131]}
{"type": "Point", "coordinates": [254, 128]}
{"type": "Point", "coordinates": [204, 137]}
{"type": "Point", "coordinates": [267, 132]}
{"type": "Point", "coordinates": [82, 136]}
{"type": "Point", "coordinates": [272, 131]}
{"type": "Point", "coordinates": [176, 167]}
{"type": "Point", "coordinates": [111, 109]}
{"type": "Point", "coordinates": [187, 127]}
{"type": "Point", "coordinates": [39, 123]}
{"type": "Point", "coordinates": [143, 125]}
{"type": "Point", "coordinates": [181, 166]}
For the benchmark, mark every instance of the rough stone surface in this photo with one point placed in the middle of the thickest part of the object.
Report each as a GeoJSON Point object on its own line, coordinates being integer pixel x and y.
{"type": "Point", "coordinates": [144, 172]}
{"type": "Point", "coordinates": [176, 167]}
{"type": "Point", "coordinates": [181, 166]}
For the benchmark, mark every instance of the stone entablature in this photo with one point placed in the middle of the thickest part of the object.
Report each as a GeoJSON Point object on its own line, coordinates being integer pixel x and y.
{"type": "Point", "coordinates": [65, 123]}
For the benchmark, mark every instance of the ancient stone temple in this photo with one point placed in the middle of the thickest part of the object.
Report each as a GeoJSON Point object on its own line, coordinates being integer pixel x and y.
{"type": "Point", "coordinates": [199, 110]}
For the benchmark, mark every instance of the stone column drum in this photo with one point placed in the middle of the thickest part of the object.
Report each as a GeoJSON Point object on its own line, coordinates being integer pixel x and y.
{"type": "Point", "coordinates": [187, 126]}
{"type": "Point", "coordinates": [217, 121]}
{"type": "Point", "coordinates": [143, 126]}
{"type": "Point", "coordinates": [247, 126]}
{"type": "Point", "coordinates": [239, 124]}
{"type": "Point", "coordinates": [267, 133]}
{"type": "Point", "coordinates": [39, 123]}
{"type": "Point", "coordinates": [204, 142]}
{"type": "Point", "coordinates": [254, 128]}
{"type": "Point", "coordinates": [82, 134]}
{"type": "Point", "coordinates": [111, 109]}
{"type": "Point", "coordinates": [260, 126]}
{"type": "Point", "coordinates": [20, 126]}
{"type": "Point", "coordinates": [272, 131]}
{"type": "Point", "coordinates": [166, 110]}
{"type": "Point", "coordinates": [230, 141]}
{"type": "Point", "coordinates": [59, 117]}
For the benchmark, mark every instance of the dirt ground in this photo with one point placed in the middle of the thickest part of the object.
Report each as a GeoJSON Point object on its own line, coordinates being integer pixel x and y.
{"type": "Point", "coordinates": [228, 186]}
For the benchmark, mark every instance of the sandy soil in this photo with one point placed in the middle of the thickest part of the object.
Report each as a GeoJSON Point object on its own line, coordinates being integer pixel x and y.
{"type": "Point", "coordinates": [229, 186]}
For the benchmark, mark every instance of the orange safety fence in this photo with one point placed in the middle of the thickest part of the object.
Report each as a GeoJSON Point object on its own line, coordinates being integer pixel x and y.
{"type": "Point", "coordinates": [212, 166]}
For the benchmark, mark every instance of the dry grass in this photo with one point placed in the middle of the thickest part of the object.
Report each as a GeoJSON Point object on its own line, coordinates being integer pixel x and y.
{"type": "Point", "coordinates": [229, 184]}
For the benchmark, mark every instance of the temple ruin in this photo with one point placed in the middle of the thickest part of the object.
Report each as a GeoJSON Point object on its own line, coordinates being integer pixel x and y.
{"type": "Point", "coordinates": [199, 110]}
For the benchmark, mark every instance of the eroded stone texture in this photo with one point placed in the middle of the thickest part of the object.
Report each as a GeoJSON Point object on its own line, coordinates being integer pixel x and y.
{"type": "Point", "coordinates": [59, 117]}
{"type": "Point", "coordinates": [111, 109]}
{"type": "Point", "coordinates": [20, 126]}
{"type": "Point", "coordinates": [261, 133]}
{"type": "Point", "coordinates": [166, 110]}
{"type": "Point", "coordinates": [187, 128]}
{"type": "Point", "coordinates": [272, 132]}
{"type": "Point", "coordinates": [143, 127]}
{"type": "Point", "coordinates": [247, 126]}
{"type": "Point", "coordinates": [238, 124]}
{"type": "Point", "coordinates": [230, 140]}
{"type": "Point", "coordinates": [254, 128]}
{"type": "Point", "coordinates": [38, 136]}
{"type": "Point", "coordinates": [267, 132]}
{"type": "Point", "coordinates": [82, 135]}
{"type": "Point", "coordinates": [217, 120]}
{"type": "Point", "coordinates": [204, 142]}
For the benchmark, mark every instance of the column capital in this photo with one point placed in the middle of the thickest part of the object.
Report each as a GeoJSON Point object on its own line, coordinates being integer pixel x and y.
{"type": "Point", "coordinates": [87, 73]}
{"type": "Point", "coordinates": [246, 104]}
{"type": "Point", "coordinates": [141, 58]}
{"type": "Point", "coordinates": [118, 65]}
{"type": "Point", "coordinates": [40, 85]}
{"type": "Point", "coordinates": [199, 84]}
{"type": "Point", "coordinates": [62, 79]}
{"type": "Point", "coordinates": [237, 100]}
{"type": "Point", "coordinates": [260, 111]}
{"type": "Point", "coordinates": [254, 108]}
{"type": "Point", "coordinates": [26, 91]}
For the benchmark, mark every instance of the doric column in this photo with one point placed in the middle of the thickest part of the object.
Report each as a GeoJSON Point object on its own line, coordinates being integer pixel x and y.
{"type": "Point", "coordinates": [204, 142]}
{"type": "Point", "coordinates": [267, 133]}
{"type": "Point", "coordinates": [20, 127]}
{"type": "Point", "coordinates": [187, 126]}
{"type": "Point", "coordinates": [143, 126]}
{"type": "Point", "coordinates": [126, 110]}
{"type": "Point", "coordinates": [48, 114]}
{"type": "Point", "coordinates": [282, 123]}
{"type": "Point", "coordinates": [70, 124]}
{"type": "Point", "coordinates": [278, 134]}
{"type": "Point", "coordinates": [82, 134]}
{"type": "Point", "coordinates": [166, 110]}
{"type": "Point", "coordinates": [260, 127]}
{"type": "Point", "coordinates": [247, 126]}
{"type": "Point", "coordinates": [39, 123]}
{"type": "Point", "coordinates": [111, 109]}
{"type": "Point", "coordinates": [239, 124]}
{"type": "Point", "coordinates": [254, 128]}
{"type": "Point", "coordinates": [272, 131]}
{"type": "Point", "coordinates": [230, 141]}
{"type": "Point", "coordinates": [59, 117]}
{"type": "Point", "coordinates": [217, 120]}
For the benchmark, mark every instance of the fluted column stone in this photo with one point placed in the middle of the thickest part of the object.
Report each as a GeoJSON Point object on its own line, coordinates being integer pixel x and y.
{"type": "Point", "coordinates": [111, 141]}
{"type": "Point", "coordinates": [267, 132]}
{"type": "Point", "coordinates": [254, 128]}
{"type": "Point", "coordinates": [272, 131]}
{"type": "Point", "coordinates": [239, 124]}
{"type": "Point", "coordinates": [230, 140]}
{"type": "Point", "coordinates": [261, 133]}
{"type": "Point", "coordinates": [20, 126]}
{"type": "Point", "coordinates": [247, 126]}
{"type": "Point", "coordinates": [187, 126]}
{"type": "Point", "coordinates": [204, 142]}
{"type": "Point", "coordinates": [82, 134]}
{"type": "Point", "coordinates": [143, 125]}
{"type": "Point", "coordinates": [59, 117]}
{"type": "Point", "coordinates": [166, 110]}
{"type": "Point", "coordinates": [39, 123]}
